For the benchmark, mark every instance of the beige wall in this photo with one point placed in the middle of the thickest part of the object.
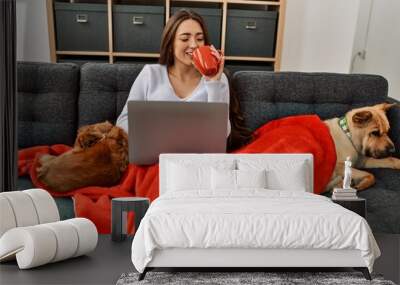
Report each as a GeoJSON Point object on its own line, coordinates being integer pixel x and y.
{"type": "Point", "coordinates": [319, 35]}
{"type": "Point", "coordinates": [381, 42]}
{"type": "Point", "coordinates": [327, 36]}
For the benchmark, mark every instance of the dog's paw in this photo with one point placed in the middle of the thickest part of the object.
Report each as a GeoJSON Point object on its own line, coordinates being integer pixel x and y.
{"type": "Point", "coordinates": [364, 182]}
{"type": "Point", "coordinates": [396, 162]}
{"type": "Point", "coordinates": [391, 162]}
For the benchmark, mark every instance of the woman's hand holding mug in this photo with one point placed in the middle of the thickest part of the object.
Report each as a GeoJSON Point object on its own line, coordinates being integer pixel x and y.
{"type": "Point", "coordinates": [209, 62]}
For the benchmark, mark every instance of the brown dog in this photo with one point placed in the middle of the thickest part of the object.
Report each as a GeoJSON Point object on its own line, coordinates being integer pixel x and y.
{"type": "Point", "coordinates": [98, 158]}
{"type": "Point", "coordinates": [364, 138]}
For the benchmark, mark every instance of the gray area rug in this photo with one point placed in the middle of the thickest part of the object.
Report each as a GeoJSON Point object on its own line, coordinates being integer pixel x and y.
{"type": "Point", "coordinates": [269, 278]}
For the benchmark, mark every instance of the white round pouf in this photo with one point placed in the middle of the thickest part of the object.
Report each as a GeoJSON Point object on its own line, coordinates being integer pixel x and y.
{"type": "Point", "coordinates": [30, 230]}
{"type": "Point", "coordinates": [46, 207]}
{"type": "Point", "coordinates": [23, 208]}
{"type": "Point", "coordinates": [67, 240]}
{"type": "Point", "coordinates": [32, 246]}
{"type": "Point", "coordinates": [87, 233]}
{"type": "Point", "coordinates": [40, 244]}
{"type": "Point", "coordinates": [7, 216]}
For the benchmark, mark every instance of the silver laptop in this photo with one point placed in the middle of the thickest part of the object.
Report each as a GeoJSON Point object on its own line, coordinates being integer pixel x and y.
{"type": "Point", "coordinates": [157, 127]}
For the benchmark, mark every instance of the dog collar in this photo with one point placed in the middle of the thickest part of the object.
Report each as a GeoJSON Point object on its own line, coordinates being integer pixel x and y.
{"type": "Point", "coordinates": [344, 126]}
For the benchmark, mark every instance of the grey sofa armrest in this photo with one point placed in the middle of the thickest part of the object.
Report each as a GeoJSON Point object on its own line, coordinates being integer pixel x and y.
{"type": "Point", "coordinates": [394, 119]}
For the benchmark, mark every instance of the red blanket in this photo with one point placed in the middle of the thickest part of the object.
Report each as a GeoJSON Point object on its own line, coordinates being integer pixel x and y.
{"type": "Point", "coordinates": [94, 202]}
{"type": "Point", "coordinates": [296, 134]}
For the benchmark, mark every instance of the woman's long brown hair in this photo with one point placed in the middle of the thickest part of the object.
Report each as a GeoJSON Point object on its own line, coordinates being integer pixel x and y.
{"type": "Point", "coordinates": [239, 135]}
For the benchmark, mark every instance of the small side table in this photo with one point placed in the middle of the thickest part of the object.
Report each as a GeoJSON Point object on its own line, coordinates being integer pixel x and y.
{"type": "Point", "coordinates": [358, 205]}
{"type": "Point", "coordinates": [119, 209]}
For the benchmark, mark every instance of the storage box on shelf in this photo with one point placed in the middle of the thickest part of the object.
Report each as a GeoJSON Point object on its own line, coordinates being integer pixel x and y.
{"type": "Point", "coordinates": [81, 26]}
{"type": "Point", "coordinates": [249, 32]}
{"type": "Point", "coordinates": [250, 26]}
{"type": "Point", "coordinates": [137, 28]}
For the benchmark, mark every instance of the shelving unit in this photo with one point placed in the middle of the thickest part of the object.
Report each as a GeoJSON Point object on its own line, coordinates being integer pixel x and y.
{"type": "Point", "coordinates": [111, 55]}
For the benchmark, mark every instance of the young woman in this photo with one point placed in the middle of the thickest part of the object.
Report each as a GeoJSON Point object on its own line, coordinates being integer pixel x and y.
{"type": "Point", "coordinates": [175, 78]}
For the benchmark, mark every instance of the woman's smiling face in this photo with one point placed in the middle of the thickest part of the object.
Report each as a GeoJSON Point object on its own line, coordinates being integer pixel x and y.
{"type": "Point", "coordinates": [188, 37]}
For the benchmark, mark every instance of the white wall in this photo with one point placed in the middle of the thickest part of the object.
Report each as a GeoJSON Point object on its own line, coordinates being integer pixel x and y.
{"type": "Point", "coordinates": [32, 35]}
{"type": "Point", "coordinates": [362, 28]}
{"type": "Point", "coordinates": [327, 36]}
{"type": "Point", "coordinates": [381, 42]}
{"type": "Point", "coordinates": [319, 35]}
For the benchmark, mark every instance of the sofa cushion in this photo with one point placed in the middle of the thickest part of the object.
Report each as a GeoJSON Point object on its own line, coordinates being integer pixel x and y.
{"type": "Point", "coordinates": [47, 99]}
{"type": "Point", "coordinates": [266, 96]}
{"type": "Point", "coordinates": [104, 89]}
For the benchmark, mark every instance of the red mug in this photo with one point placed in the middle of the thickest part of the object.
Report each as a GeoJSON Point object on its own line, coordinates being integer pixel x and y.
{"type": "Point", "coordinates": [205, 61]}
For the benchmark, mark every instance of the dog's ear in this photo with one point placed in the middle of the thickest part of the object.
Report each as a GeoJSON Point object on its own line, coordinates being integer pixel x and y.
{"type": "Point", "coordinates": [88, 136]}
{"type": "Point", "coordinates": [119, 135]}
{"type": "Point", "coordinates": [104, 127]}
{"type": "Point", "coordinates": [86, 140]}
{"type": "Point", "coordinates": [79, 137]}
{"type": "Point", "coordinates": [361, 118]}
{"type": "Point", "coordinates": [386, 106]}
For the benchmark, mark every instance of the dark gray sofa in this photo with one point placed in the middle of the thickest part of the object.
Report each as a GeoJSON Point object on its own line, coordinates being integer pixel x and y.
{"type": "Point", "coordinates": [55, 99]}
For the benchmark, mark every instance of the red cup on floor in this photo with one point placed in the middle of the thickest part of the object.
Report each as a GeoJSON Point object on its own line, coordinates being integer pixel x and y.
{"type": "Point", "coordinates": [205, 61]}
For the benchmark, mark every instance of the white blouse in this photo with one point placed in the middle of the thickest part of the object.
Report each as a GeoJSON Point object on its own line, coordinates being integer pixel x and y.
{"type": "Point", "coordinates": [152, 84]}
